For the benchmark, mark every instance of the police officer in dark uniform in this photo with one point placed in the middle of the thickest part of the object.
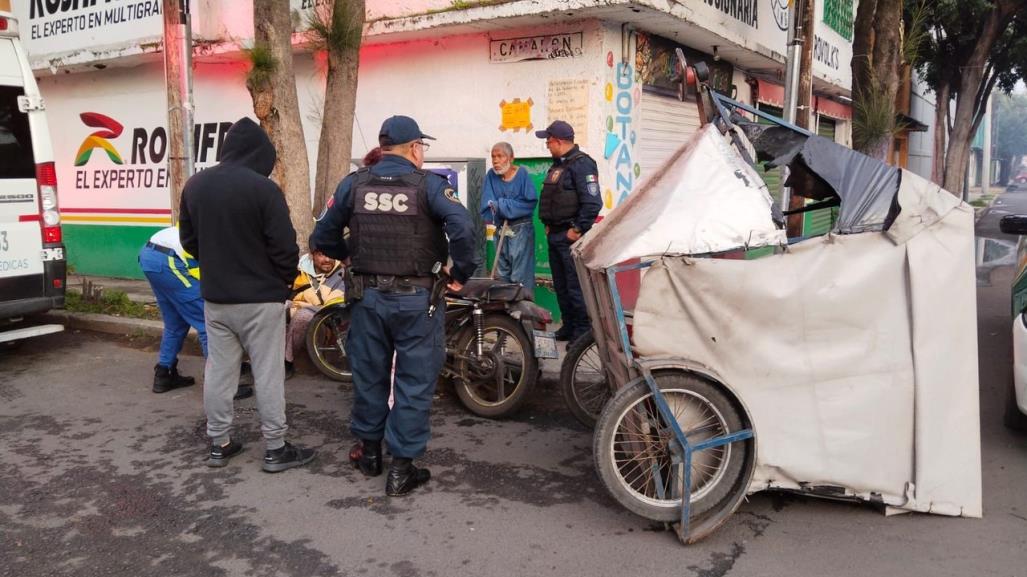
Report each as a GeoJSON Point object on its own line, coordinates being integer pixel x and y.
{"type": "Point", "coordinates": [399, 218]}
{"type": "Point", "coordinates": [568, 206]}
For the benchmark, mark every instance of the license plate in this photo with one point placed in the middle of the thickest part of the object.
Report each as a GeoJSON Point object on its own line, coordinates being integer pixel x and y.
{"type": "Point", "coordinates": [545, 345]}
{"type": "Point", "coordinates": [20, 246]}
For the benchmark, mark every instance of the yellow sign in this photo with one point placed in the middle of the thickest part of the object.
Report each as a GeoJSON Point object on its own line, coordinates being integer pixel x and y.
{"type": "Point", "coordinates": [5, 5]}
{"type": "Point", "coordinates": [516, 115]}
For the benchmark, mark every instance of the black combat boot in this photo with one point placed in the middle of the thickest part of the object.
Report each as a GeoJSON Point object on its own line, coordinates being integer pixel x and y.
{"type": "Point", "coordinates": [166, 379]}
{"type": "Point", "coordinates": [367, 456]}
{"type": "Point", "coordinates": [404, 477]}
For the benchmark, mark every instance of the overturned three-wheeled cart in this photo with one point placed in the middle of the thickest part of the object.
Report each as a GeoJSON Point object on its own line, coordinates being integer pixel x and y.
{"type": "Point", "coordinates": [841, 365]}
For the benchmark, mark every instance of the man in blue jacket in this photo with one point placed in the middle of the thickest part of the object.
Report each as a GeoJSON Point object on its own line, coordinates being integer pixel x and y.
{"type": "Point", "coordinates": [508, 201]}
{"type": "Point", "coordinates": [402, 221]}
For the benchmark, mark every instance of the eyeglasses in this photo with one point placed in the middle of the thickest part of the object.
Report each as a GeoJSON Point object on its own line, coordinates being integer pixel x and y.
{"type": "Point", "coordinates": [424, 144]}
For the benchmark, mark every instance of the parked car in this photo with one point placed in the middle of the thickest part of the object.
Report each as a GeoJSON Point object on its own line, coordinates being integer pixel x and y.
{"type": "Point", "coordinates": [1016, 398]}
{"type": "Point", "coordinates": [32, 264]}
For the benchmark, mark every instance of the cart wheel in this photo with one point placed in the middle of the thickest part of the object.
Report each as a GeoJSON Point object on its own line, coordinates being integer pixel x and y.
{"type": "Point", "coordinates": [633, 456]}
{"type": "Point", "coordinates": [583, 380]}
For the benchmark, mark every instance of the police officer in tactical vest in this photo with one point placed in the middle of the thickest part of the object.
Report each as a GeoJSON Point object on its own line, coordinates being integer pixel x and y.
{"type": "Point", "coordinates": [568, 206]}
{"type": "Point", "coordinates": [399, 218]}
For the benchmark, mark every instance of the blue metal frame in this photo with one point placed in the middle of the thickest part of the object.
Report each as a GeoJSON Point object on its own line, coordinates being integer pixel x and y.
{"type": "Point", "coordinates": [720, 100]}
{"type": "Point", "coordinates": [683, 446]}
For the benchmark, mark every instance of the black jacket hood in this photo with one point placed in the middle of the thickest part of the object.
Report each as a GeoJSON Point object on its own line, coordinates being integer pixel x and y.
{"type": "Point", "coordinates": [247, 144]}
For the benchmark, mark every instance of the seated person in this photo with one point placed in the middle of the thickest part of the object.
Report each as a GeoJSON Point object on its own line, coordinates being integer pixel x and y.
{"type": "Point", "coordinates": [321, 280]}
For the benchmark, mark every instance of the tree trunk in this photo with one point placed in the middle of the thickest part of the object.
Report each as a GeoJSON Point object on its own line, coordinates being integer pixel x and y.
{"type": "Point", "coordinates": [887, 46]}
{"type": "Point", "coordinates": [276, 105]}
{"type": "Point", "coordinates": [941, 129]}
{"type": "Point", "coordinates": [862, 41]}
{"type": "Point", "coordinates": [972, 89]}
{"type": "Point", "coordinates": [335, 147]}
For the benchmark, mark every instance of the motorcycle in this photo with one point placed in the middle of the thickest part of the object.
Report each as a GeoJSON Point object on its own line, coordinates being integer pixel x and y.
{"type": "Point", "coordinates": [495, 336]}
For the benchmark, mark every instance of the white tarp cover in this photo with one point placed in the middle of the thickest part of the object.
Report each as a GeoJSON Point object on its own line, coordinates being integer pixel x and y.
{"type": "Point", "coordinates": [705, 199]}
{"type": "Point", "coordinates": [855, 355]}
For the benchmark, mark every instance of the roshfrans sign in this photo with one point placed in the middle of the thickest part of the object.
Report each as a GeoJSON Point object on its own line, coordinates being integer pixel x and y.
{"type": "Point", "coordinates": [537, 47]}
{"type": "Point", "coordinates": [54, 27]}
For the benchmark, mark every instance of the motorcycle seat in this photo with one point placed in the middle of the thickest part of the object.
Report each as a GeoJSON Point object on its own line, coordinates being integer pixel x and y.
{"type": "Point", "coordinates": [493, 290]}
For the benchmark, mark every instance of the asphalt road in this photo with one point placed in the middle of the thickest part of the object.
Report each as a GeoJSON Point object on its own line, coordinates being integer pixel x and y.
{"type": "Point", "coordinates": [100, 477]}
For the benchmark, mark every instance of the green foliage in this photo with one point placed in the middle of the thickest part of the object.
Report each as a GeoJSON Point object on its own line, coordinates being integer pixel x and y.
{"type": "Point", "coordinates": [110, 302]}
{"type": "Point", "coordinates": [262, 65]}
{"type": "Point", "coordinates": [955, 28]}
{"type": "Point", "coordinates": [336, 31]}
{"type": "Point", "coordinates": [916, 32]}
{"type": "Point", "coordinates": [873, 119]}
{"type": "Point", "coordinates": [1010, 125]}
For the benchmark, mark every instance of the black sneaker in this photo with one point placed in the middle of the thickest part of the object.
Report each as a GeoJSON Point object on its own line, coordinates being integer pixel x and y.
{"type": "Point", "coordinates": [220, 454]}
{"type": "Point", "coordinates": [287, 457]}
{"type": "Point", "coordinates": [564, 333]}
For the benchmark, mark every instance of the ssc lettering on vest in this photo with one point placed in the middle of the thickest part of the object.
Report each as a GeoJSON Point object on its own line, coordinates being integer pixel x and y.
{"type": "Point", "coordinates": [388, 202]}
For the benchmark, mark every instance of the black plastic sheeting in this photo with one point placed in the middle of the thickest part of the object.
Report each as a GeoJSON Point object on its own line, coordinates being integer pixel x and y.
{"type": "Point", "coordinates": [821, 169]}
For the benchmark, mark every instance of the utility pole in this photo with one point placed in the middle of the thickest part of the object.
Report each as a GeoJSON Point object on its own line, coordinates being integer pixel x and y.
{"type": "Point", "coordinates": [798, 89]}
{"type": "Point", "coordinates": [178, 76]}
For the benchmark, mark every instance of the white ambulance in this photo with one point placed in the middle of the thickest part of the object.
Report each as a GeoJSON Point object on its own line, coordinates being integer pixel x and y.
{"type": "Point", "coordinates": [32, 265]}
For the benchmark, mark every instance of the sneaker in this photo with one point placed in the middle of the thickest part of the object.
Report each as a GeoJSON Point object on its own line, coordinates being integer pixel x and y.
{"type": "Point", "coordinates": [287, 457]}
{"type": "Point", "coordinates": [220, 454]}
{"type": "Point", "coordinates": [167, 378]}
{"type": "Point", "coordinates": [564, 333]}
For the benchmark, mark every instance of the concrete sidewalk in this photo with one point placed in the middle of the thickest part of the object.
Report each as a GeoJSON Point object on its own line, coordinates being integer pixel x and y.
{"type": "Point", "coordinates": [139, 291]}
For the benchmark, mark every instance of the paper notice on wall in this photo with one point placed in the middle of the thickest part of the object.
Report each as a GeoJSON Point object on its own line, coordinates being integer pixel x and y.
{"type": "Point", "coordinates": [568, 101]}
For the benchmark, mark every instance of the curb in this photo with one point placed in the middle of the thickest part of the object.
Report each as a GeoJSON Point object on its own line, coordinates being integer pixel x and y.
{"type": "Point", "coordinates": [111, 325]}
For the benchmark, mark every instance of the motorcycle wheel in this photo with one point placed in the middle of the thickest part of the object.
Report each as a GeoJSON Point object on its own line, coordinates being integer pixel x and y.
{"type": "Point", "coordinates": [326, 343]}
{"type": "Point", "coordinates": [497, 384]}
{"type": "Point", "coordinates": [633, 454]}
{"type": "Point", "coordinates": [583, 380]}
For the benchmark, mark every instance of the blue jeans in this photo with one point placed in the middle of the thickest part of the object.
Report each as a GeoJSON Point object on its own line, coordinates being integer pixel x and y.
{"type": "Point", "coordinates": [181, 305]}
{"type": "Point", "coordinates": [383, 324]}
{"type": "Point", "coordinates": [517, 259]}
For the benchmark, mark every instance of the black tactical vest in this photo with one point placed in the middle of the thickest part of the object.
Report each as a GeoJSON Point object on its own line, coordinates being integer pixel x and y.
{"type": "Point", "coordinates": [558, 203]}
{"type": "Point", "coordinates": [392, 231]}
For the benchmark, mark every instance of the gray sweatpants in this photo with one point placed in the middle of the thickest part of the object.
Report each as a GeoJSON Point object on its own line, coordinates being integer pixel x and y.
{"type": "Point", "coordinates": [259, 329]}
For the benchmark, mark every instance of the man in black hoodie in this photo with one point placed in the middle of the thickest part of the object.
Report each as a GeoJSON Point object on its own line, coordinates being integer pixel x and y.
{"type": "Point", "coordinates": [235, 221]}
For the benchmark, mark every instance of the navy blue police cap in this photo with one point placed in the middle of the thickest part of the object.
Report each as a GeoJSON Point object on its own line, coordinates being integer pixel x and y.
{"type": "Point", "coordinates": [558, 129]}
{"type": "Point", "coordinates": [400, 130]}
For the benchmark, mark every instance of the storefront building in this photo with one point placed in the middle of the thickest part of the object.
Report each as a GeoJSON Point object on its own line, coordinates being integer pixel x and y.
{"type": "Point", "coordinates": [472, 75]}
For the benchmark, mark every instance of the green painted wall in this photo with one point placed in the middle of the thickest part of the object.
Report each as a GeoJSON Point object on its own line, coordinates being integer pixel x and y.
{"type": "Point", "coordinates": [106, 250]}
